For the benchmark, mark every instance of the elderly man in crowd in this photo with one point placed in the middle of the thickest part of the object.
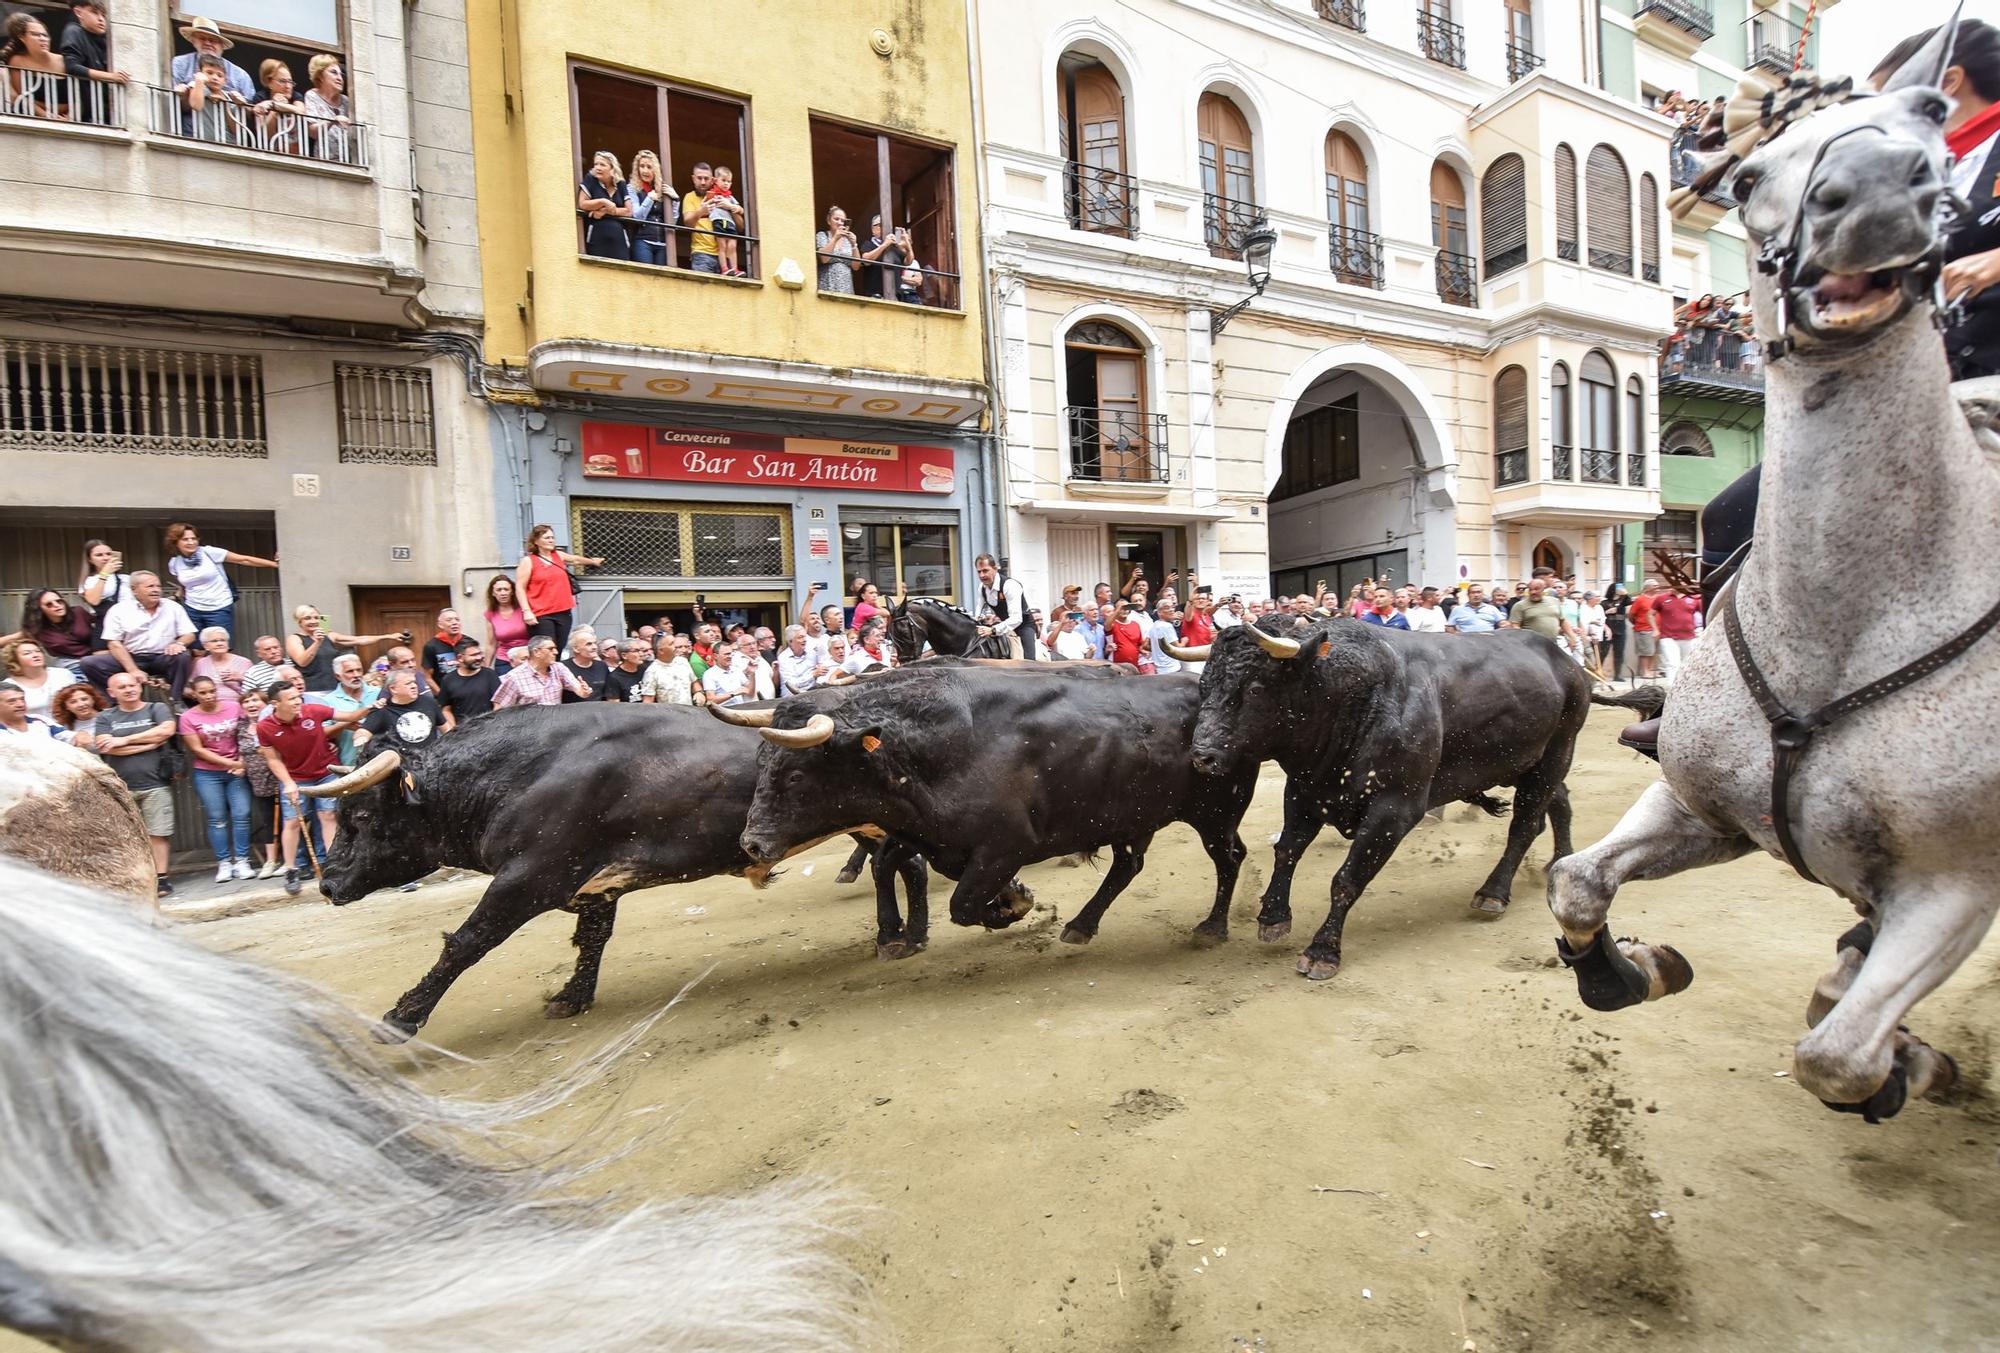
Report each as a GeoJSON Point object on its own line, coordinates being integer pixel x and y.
{"type": "Point", "coordinates": [1475, 615]}
{"type": "Point", "coordinates": [402, 658]}
{"type": "Point", "coordinates": [539, 679]}
{"type": "Point", "coordinates": [207, 40]}
{"type": "Point", "coordinates": [728, 681]}
{"type": "Point", "coordinates": [414, 718]}
{"type": "Point", "coordinates": [145, 634]}
{"type": "Point", "coordinates": [270, 651]}
{"type": "Point", "coordinates": [799, 667]}
{"type": "Point", "coordinates": [585, 665]}
{"type": "Point", "coordinates": [130, 735]}
{"type": "Point", "coordinates": [762, 673]}
{"type": "Point", "coordinates": [621, 683]}
{"type": "Point", "coordinates": [441, 649]}
{"type": "Point", "coordinates": [350, 699]}
{"type": "Point", "coordinates": [671, 679]}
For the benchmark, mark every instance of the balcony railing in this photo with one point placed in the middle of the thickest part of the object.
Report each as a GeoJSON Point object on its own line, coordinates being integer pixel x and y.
{"type": "Point", "coordinates": [1346, 13]}
{"type": "Point", "coordinates": [1101, 200]}
{"type": "Point", "coordinates": [1355, 257]}
{"type": "Point", "coordinates": [1600, 467]}
{"type": "Point", "coordinates": [1774, 44]}
{"type": "Point", "coordinates": [1693, 16]}
{"type": "Point", "coordinates": [1440, 39]}
{"type": "Point", "coordinates": [61, 98]}
{"type": "Point", "coordinates": [1635, 469]}
{"type": "Point", "coordinates": [1226, 221]}
{"type": "Point", "coordinates": [282, 136]}
{"type": "Point", "coordinates": [1717, 370]}
{"type": "Point", "coordinates": [1567, 250]}
{"type": "Point", "coordinates": [1562, 462]}
{"type": "Point", "coordinates": [1117, 446]}
{"type": "Point", "coordinates": [1457, 278]}
{"type": "Point", "coordinates": [1510, 467]}
{"type": "Point", "coordinates": [1521, 62]}
{"type": "Point", "coordinates": [158, 401]}
{"type": "Point", "coordinates": [1610, 260]}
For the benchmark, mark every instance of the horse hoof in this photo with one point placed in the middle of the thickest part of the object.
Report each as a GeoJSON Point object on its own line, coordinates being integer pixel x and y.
{"type": "Point", "coordinates": [1675, 971]}
{"type": "Point", "coordinates": [1488, 905]}
{"type": "Point", "coordinates": [561, 1007]}
{"type": "Point", "coordinates": [392, 1030]}
{"type": "Point", "coordinates": [1071, 935]}
{"type": "Point", "coordinates": [1317, 969]}
{"type": "Point", "coordinates": [1605, 978]}
{"type": "Point", "coordinates": [891, 950]}
{"type": "Point", "coordinates": [847, 876]}
{"type": "Point", "coordinates": [1274, 931]}
{"type": "Point", "coordinates": [1211, 931]}
{"type": "Point", "coordinates": [1886, 1102]}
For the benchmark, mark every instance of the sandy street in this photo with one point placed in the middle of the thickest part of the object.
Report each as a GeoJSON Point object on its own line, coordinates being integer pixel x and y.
{"type": "Point", "coordinates": [1149, 1145]}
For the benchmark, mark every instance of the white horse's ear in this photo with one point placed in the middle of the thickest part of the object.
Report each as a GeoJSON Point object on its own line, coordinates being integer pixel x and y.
{"type": "Point", "coordinates": [1926, 67]}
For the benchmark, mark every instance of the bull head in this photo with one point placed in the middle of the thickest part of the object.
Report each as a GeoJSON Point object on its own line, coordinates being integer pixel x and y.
{"type": "Point", "coordinates": [1274, 645]}
{"type": "Point", "coordinates": [818, 729]}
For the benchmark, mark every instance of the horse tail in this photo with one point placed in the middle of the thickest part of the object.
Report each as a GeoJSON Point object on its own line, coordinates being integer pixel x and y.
{"type": "Point", "coordinates": [207, 1155]}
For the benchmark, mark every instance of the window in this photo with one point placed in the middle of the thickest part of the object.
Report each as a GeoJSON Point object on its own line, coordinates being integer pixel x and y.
{"type": "Point", "coordinates": [1228, 175]}
{"type": "Point", "coordinates": [85, 397]}
{"type": "Point", "coordinates": [1456, 275]}
{"type": "Point", "coordinates": [1322, 448]}
{"type": "Point", "coordinates": [911, 185]}
{"type": "Point", "coordinates": [922, 556]}
{"type": "Point", "coordinates": [385, 415]}
{"type": "Point", "coordinates": [662, 130]}
{"type": "Point", "coordinates": [1672, 533]}
{"type": "Point", "coordinates": [291, 32]}
{"type": "Point", "coordinates": [1608, 194]}
{"type": "Point", "coordinates": [1562, 429]}
{"type": "Point", "coordinates": [1649, 228]}
{"type": "Point", "coordinates": [1355, 252]}
{"type": "Point", "coordinates": [1566, 231]}
{"type": "Point", "coordinates": [1510, 427]}
{"type": "Point", "coordinates": [643, 539]}
{"type": "Point", "coordinates": [1600, 419]}
{"type": "Point", "coordinates": [1437, 36]}
{"type": "Point", "coordinates": [1635, 432]}
{"type": "Point", "coordinates": [1503, 213]}
{"type": "Point", "coordinates": [1686, 439]}
{"type": "Point", "coordinates": [1100, 192]}
{"type": "Point", "coordinates": [1111, 435]}
{"type": "Point", "coordinates": [1521, 58]}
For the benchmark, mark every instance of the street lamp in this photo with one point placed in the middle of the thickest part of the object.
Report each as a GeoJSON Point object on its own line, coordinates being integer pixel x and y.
{"type": "Point", "coordinates": [1258, 242]}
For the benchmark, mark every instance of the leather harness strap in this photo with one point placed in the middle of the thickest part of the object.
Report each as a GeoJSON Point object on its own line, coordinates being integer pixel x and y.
{"type": "Point", "coordinates": [1792, 734]}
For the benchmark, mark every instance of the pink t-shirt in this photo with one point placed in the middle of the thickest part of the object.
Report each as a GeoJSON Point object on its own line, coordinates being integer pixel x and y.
{"type": "Point", "coordinates": [217, 731]}
{"type": "Point", "coordinates": [228, 675]}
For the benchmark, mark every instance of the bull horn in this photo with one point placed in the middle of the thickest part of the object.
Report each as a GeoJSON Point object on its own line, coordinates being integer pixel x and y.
{"type": "Point", "coordinates": [378, 769]}
{"type": "Point", "coordinates": [743, 718]}
{"type": "Point", "coordinates": [1272, 644]}
{"type": "Point", "coordinates": [817, 730]}
{"type": "Point", "coordinates": [1181, 654]}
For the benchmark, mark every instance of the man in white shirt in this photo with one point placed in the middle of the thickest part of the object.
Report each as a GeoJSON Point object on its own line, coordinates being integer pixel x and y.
{"type": "Point", "coordinates": [670, 679]}
{"type": "Point", "coordinates": [270, 650]}
{"type": "Point", "coordinates": [1424, 617]}
{"type": "Point", "coordinates": [1230, 614]}
{"type": "Point", "coordinates": [799, 668]}
{"type": "Point", "coordinates": [1068, 642]}
{"type": "Point", "coordinates": [726, 682]}
{"type": "Point", "coordinates": [764, 679]}
{"type": "Point", "coordinates": [145, 635]}
{"type": "Point", "coordinates": [1162, 630]}
{"type": "Point", "coordinates": [1003, 607]}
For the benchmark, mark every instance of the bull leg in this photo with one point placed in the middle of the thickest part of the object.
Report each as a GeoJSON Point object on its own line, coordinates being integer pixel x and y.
{"type": "Point", "coordinates": [1228, 855]}
{"type": "Point", "coordinates": [1534, 805]}
{"type": "Point", "coordinates": [1302, 826]}
{"type": "Point", "coordinates": [893, 939]}
{"type": "Point", "coordinates": [1559, 822]}
{"type": "Point", "coordinates": [863, 850]}
{"type": "Point", "coordinates": [594, 920]}
{"type": "Point", "coordinates": [1857, 1058]}
{"type": "Point", "coordinates": [513, 899]}
{"type": "Point", "coordinates": [975, 899]}
{"type": "Point", "coordinates": [1659, 836]}
{"type": "Point", "coordinates": [1126, 862]}
{"type": "Point", "coordinates": [1386, 822]}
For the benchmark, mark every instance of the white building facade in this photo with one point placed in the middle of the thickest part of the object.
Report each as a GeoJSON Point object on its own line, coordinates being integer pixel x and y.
{"type": "Point", "coordinates": [1451, 373]}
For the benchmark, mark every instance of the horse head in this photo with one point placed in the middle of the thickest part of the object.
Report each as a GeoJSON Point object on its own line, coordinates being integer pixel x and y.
{"type": "Point", "coordinates": [1847, 207]}
{"type": "Point", "coordinates": [906, 630]}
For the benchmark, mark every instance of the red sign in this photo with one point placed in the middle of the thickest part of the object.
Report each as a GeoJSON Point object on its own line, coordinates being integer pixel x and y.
{"type": "Point", "coordinates": [705, 456]}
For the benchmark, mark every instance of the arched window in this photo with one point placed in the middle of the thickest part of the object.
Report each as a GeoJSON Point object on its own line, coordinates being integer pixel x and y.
{"type": "Point", "coordinates": [1228, 176]}
{"type": "Point", "coordinates": [1607, 192]}
{"type": "Point", "coordinates": [1111, 435]}
{"type": "Point", "coordinates": [1457, 275]}
{"type": "Point", "coordinates": [1355, 254]}
{"type": "Point", "coordinates": [1562, 431]}
{"type": "Point", "coordinates": [1503, 214]}
{"type": "Point", "coordinates": [1686, 439]}
{"type": "Point", "coordinates": [1649, 228]}
{"type": "Point", "coordinates": [1098, 188]}
{"type": "Point", "coordinates": [1566, 231]}
{"type": "Point", "coordinates": [1510, 427]}
{"type": "Point", "coordinates": [1635, 433]}
{"type": "Point", "coordinates": [1599, 418]}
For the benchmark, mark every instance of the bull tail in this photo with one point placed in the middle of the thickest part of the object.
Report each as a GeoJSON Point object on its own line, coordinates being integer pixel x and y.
{"type": "Point", "coordinates": [1646, 701]}
{"type": "Point", "coordinates": [1488, 805]}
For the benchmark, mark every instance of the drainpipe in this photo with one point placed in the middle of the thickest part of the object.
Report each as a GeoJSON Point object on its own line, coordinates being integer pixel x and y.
{"type": "Point", "coordinates": [992, 457]}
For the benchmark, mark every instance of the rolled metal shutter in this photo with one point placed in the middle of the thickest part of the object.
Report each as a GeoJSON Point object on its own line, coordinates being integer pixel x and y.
{"type": "Point", "coordinates": [1608, 198]}
{"type": "Point", "coordinates": [1649, 228]}
{"type": "Point", "coordinates": [1566, 226]}
{"type": "Point", "coordinates": [1503, 214]}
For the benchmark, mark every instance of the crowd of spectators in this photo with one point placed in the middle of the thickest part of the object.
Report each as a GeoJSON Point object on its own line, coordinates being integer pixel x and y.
{"type": "Point", "coordinates": [885, 265]}
{"type": "Point", "coordinates": [1712, 332]}
{"type": "Point", "coordinates": [1687, 115]}
{"type": "Point", "coordinates": [630, 219]}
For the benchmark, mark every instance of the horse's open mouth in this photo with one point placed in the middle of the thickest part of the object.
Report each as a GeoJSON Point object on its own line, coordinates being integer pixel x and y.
{"type": "Point", "coordinates": [1847, 304]}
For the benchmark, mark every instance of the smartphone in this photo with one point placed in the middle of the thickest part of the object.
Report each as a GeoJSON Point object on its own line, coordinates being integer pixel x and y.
{"type": "Point", "coordinates": [701, 598]}
{"type": "Point", "coordinates": [1204, 591]}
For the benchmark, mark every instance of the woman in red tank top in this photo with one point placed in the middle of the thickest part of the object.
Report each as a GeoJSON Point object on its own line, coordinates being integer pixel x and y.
{"type": "Point", "coordinates": [541, 579]}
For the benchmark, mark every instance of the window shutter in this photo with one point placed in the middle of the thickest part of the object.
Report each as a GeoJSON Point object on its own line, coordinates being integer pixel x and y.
{"type": "Point", "coordinates": [1649, 228]}
{"type": "Point", "coordinates": [1566, 234]}
{"type": "Point", "coordinates": [1609, 200]}
{"type": "Point", "coordinates": [1503, 208]}
{"type": "Point", "coordinates": [1510, 411]}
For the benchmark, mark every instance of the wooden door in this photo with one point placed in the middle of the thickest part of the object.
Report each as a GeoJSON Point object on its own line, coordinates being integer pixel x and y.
{"type": "Point", "coordinates": [384, 610]}
{"type": "Point", "coordinates": [1122, 449]}
{"type": "Point", "coordinates": [1448, 221]}
{"type": "Point", "coordinates": [1521, 24]}
{"type": "Point", "coordinates": [1100, 120]}
{"type": "Point", "coordinates": [1225, 150]}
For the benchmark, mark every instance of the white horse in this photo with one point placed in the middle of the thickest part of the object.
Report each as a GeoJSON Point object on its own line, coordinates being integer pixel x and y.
{"type": "Point", "coordinates": [201, 1154]}
{"type": "Point", "coordinates": [1869, 461]}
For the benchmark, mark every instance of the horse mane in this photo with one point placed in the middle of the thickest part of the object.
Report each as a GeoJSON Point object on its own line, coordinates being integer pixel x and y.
{"type": "Point", "coordinates": [942, 604]}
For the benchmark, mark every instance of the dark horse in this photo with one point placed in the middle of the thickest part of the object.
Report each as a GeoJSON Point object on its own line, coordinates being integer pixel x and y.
{"type": "Point", "coordinates": [915, 621]}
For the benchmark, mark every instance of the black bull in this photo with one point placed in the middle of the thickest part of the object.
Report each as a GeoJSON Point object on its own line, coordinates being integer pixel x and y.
{"type": "Point", "coordinates": [986, 771]}
{"type": "Point", "coordinates": [1373, 727]}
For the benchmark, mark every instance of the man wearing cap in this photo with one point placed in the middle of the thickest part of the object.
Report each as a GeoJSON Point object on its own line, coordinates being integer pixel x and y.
{"type": "Point", "coordinates": [207, 40]}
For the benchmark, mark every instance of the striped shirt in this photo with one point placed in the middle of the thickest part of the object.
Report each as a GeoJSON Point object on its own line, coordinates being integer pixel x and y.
{"type": "Point", "coordinates": [525, 686]}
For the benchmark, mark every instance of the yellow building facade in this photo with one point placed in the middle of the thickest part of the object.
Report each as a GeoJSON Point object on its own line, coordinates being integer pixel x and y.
{"type": "Point", "coordinates": [734, 413]}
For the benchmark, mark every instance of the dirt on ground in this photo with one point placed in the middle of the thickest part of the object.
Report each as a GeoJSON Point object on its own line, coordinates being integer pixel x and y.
{"type": "Point", "coordinates": [1154, 1144]}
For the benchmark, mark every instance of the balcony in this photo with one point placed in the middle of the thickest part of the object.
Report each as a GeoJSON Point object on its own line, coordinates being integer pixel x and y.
{"type": "Point", "coordinates": [1510, 467]}
{"type": "Point", "coordinates": [1355, 256]}
{"type": "Point", "coordinates": [1225, 221]}
{"type": "Point", "coordinates": [1521, 62]}
{"type": "Point", "coordinates": [1584, 484]}
{"type": "Point", "coordinates": [1346, 13]}
{"type": "Point", "coordinates": [1457, 278]}
{"type": "Point", "coordinates": [1117, 446]}
{"type": "Point", "coordinates": [278, 136]}
{"type": "Point", "coordinates": [1774, 44]}
{"type": "Point", "coordinates": [1675, 26]}
{"type": "Point", "coordinates": [65, 99]}
{"type": "Point", "coordinates": [1101, 200]}
{"type": "Point", "coordinates": [1611, 260]}
{"type": "Point", "coordinates": [1683, 165]}
{"type": "Point", "coordinates": [1690, 373]}
{"type": "Point", "coordinates": [1441, 40]}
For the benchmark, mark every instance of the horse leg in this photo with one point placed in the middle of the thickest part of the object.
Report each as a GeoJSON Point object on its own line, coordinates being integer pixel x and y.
{"type": "Point", "coordinates": [1387, 820]}
{"type": "Point", "coordinates": [1857, 1058]}
{"type": "Point", "coordinates": [594, 919]}
{"type": "Point", "coordinates": [1126, 862]}
{"type": "Point", "coordinates": [1228, 853]}
{"type": "Point", "coordinates": [863, 850]}
{"type": "Point", "coordinates": [1302, 825]}
{"type": "Point", "coordinates": [1658, 836]}
{"type": "Point", "coordinates": [1849, 951]}
{"type": "Point", "coordinates": [514, 898]}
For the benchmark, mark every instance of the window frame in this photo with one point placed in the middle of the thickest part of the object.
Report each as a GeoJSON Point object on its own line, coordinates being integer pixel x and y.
{"type": "Point", "coordinates": [1562, 422]}
{"type": "Point", "coordinates": [176, 16]}
{"type": "Point", "coordinates": [1301, 449]}
{"type": "Point", "coordinates": [897, 523]}
{"type": "Point", "coordinates": [956, 273]}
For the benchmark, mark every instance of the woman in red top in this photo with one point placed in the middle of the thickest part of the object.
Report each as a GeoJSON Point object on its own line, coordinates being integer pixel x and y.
{"type": "Point", "coordinates": [548, 602]}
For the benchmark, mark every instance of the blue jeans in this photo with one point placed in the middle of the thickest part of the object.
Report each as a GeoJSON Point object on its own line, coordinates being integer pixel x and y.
{"type": "Point", "coordinates": [226, 617]}
{"type": "Point", "coordinates": [225, 802]}
{"type": "Point", "coordinates": [649, 251]}
{"type": "Point", "coordinates": [307, 803]}
{"type": "Point", "coordinates": [705, 263]}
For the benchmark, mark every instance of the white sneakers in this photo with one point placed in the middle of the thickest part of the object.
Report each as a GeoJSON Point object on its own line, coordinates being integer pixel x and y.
{"type": "Point", "coordinates": [223, 872]}
{"type": "Point", "coordinates": [270, 870]}
{"type": "Point", "coordinates": [242, 870]}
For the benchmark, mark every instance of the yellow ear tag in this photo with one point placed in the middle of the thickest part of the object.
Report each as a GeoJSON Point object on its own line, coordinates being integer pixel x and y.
{"type": "Point", "coordinates": [1325, 647]}
{"type": "Point", "coordinates": [870, 743]}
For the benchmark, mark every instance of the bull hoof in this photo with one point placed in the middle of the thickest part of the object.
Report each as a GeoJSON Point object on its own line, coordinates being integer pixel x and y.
{"type": "Point", "coordinates": [1071, 935]}
{"type": "Point", "coordinates": [1317, 969]}
{"type": "Point", "coordinates": [1272, 932]}
{"type": "Point", "coordinates": [847, 876]}
{"type": "Point", "coordinates": [1212, 930]}
{"type": "Point", "coordinates": [1605, 978]}
{"type": "Point", "coordinates": [1488, 905]}
{"type": "Point", "coordinates": [392, 1030]}
{"type": "Point", "coordinates": [891, 950]}
{"type": "Point", "coordinates": [564, 1007]}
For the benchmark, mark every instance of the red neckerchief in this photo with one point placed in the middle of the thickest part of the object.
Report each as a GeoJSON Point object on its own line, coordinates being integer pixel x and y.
{"type": "Point", "coordinates": [874, 653]}
{"type": "Point", "coordinates": [1975, 131]}
{"type": "Point", "coordinates": [450, 640]}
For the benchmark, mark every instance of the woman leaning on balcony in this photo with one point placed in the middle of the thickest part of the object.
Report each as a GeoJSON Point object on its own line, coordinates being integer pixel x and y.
{"type": "Point", "coordinates": [280, 114]}
{"type": "Point", "coordinates": [605, 201]}
{"type": "Point", "coordinates": [37, 78]}
{"type": "Point", "coordinates": [327, 102]}
{"type": "Point", "coordinates": [649, 196]}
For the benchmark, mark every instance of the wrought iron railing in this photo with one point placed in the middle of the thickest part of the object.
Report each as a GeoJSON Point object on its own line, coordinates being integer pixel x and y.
{"type": "Point", "coordinates": [1117, 446]}
{"type": "Point", "coordinates": [1611, 260]}
{"type": "Point", "coordinates": [1457, 278]}
{"type": "Point", "coordinates": [1440, 39]}
{"type": "Point", "coordinates": [1510, 467]}
{"type": "Point", "coordinates": [1226, 221]}
{"type": "Point", "coordinates": [1513, 256]}
{"type": "Point", "coordinates": [1567, 250]}
{"type": "Point", "coordinates": [1693, 16]}
{"type": "Point", "coordinates": [1521, 61]}
{"type": "Point", "coordinates": [158, 401]}
{"type": "Point", "coordinates": [1562, 462]}
{"type": "Point", "coordinates": [281, 136]}
{"type": "Point", "coordinates": [1774, 44]}
{"type": "Point", "coordinates": [1650, 271]}
{"type": "Point", "coordinates": [1600, 467]}
{"type": "Point", "coordinates": [1720, 363]}
{"type": "Point", "coordinates": [1635, 469]}
{"type": "Point", "coordinates": [1101, 200]}
{"type": "Point", "coordinates": [61, 98]}
{"type": "Point", "coordinates": [1355, 257]}
{"type": "Point", "coordinates": [1346, 13]}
